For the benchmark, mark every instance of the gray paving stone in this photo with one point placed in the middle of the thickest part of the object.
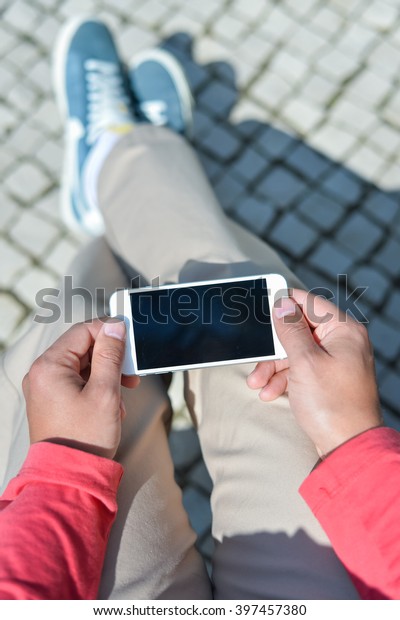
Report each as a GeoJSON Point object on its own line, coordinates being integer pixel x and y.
{"type": "Point", "coordinates": [270, 89]}
{"type": "Point", "coordinates": [319, 89]}
{"type": "Point", "coordinates": [302, 115]}
{"type": "Point", "coordinates": [309, 163]}
{"type": "Point", "coordinates": [392, 308]}
{"type": "Point", "coordinates": [275, 143]}
{"type": "Point", "coordinates": [255, 214]}
{"type": "Point", "coordinates": [293, 236]}
{"type": "Point", "coordinates": [281, 187]}
{"type": "Point", "coordinates": [381, 207]}
{"type": "Point", "coordinates": [344, 186]}
{"type": "Point", "coordinates": [221, 143]}
{"type": "Point", "coordinates": [336, 65]}
{"type": "Point", "coordinates": [359, 235]}
{"type": "Point", "coordinates": [388, 258]}
{"type": "Point", "coordinates": [197, 505]}
{"type": "Point", "coordinates": [212, 168]}
{"type": "Point", "coordinates": [11, 312]}
{"type": "Point", "coordinates": [385, 338]}
{"type": "Point", "coordinates": [330, 260]}
{"type": "Point", "coordinates": [250, 165]}
{"type": "Point", "coordinates": [217, 99]}
{"type": "Point", "coordinates": [322, 211]}
{"type": "Point", "coordinates": [390, 389]}
{"type": "Point", "coordinates": [229, 190]}
{"type": "Point", "coordinates": [378, 284]}
{"type": "Point", "coordinates": [27, 182]}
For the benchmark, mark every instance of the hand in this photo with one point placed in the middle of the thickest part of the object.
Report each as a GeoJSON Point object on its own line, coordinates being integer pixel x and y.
{"type": "Point", "coordinates": [73, 390]}
{"type": "Point", "coordinates": [329, 372]}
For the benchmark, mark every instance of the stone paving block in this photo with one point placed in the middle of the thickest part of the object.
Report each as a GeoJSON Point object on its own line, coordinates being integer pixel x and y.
{"type": "Point", "coordinates": [135, 39]}
{"type": "Point", "coordinates": [205, 9]}
{"type": "Point", "coordinates": [7, 159]}
{"type": "Point", "coordinates": [330, 260]}
{"type": "Point", "coordinates": [200, 477]}
{"type": "Point", "coordinates": [366, 162]}
{"type": "Point", "coordinates": [31, 282]}
{"type": "Point", "coordinates": [21, 16]}
{"type": "Point", "coordinates": [380, 15]}
{"type": "Point", "coordinates": [359, 235]}
{"type": "Point", "coordinates": [49, 205]}
{"type": "Point", "coordinates": [8, 119]}
{"type": "Point", "coordinates": [61, 256]}
{"type": "Point", "coordinates": [313, 281]}
{"type": "Point", "coordinates": [287, 66]}
{"type": "Point", "coordinates": [8, 77]}
{"type": "Point", "coordinates": [229, 189]}
{"type": "Point", "coordinates": [323, 212]}
{"type": "Point", "coordinates": [228, 28]}
{"type": "Point", "coordinates": [308, 162]}
{"type": "Point", "coordinates": [378, 284]}
{"type": "Point", "coordinates": [21, 97]}
{"type": "Point", "coordinates": [254, 214]}
{"type": "Point", "coordinates": [281, 187]}
{"type": "Point", "coordinates": [11, 312]}
{"type": "Point", "coordinates": [151, 13]}
{"type": "Point", "coordinates": [40, 76]}
{"type": "Point", "coordinates": [385, 338]}
{"type": "Point", "coordinates": [33, 234]}
{"type": "Point", "coordinates": [301, 8]}
{"type": "Point", "coordinates": [8, 40]}
{"type": "Point", "coordinates": [221, 143]}
{"type": "Point", "coordinates": [332, 141]}
{"type": "Point", "coordinates": [47, 117]}
{"type": "Point", "coordinates": [197, 505]}
{"type": "Point", "coordinates": [344, 186]}
{"type": "Point", "coordinates": [275, 143]}
{"type": "Point", "coordinates": [392, 308]}
{"type": "Point", "coordinates": [12, 262]}
{"type": "Point", "coordinates": [385, 59]}
{"type": "Point", "coordinates": [327, 20]}
{"type": "Point", "coordinates": [356, 41]}
{"type": "Point", "coordinates": [247, 116]}
{"type": "Point", "coordinates": [270, 89]}
{"type": "Point", "coordinates": [46, 32]}
{"type": "Point", "coordinates": [388, 258]}
{"type": "Point", "coordinates": [27, 182]}
{"type": "Point", "coordinates": [278, 25]}
{"type": "Point", "coordinates": [318, 89]}
{"type": "Point", "coordinates": [350, 116]}
{"type": "Point", "coordinates": [381, 207]}
{"type": "Point", "coordinates": [250, 165]}
{"type": "Point", "coordinates": [336, 66]}
{"type": "Point", "coordinates": [69, 8]}
{"type": "Point", "coordinates": [8, 211]}
{"type": "Point", "coordinates": [213, 169]}
{"type": "Point", "coordinates": [389, 177]}
{"type": "Point", "coordinates": [254, 49]}
{"type": "Point", "coordinates": [369, 87]}
{"type": "Point", "coordinates": [182, 23]}
{"type": "Point", "coordinates": [25, 139]}
{"type": "Point", "coordinates": [293, 235]}
{"type": "Point", "coordinates": [389, 388]}
{"type": "Point", "coordinates": [301, 115]}
{"type": "Point", "coordinates": [385, 139]}
{"type": "Point", "coordinates": [51, 155]}
{"type": "Point", "coordinates": [23, 55]}
{"type": "Point", "coordinates": [217, 99]}
{"type": "Point", "coordinates": [306, 42]}
{"type": "Point", "coordinates": [249, 10]}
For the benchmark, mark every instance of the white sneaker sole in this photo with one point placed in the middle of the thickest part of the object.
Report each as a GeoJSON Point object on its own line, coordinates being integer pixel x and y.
{"type": "Point", "coordinates": [172, 66]}
{"type": "Point", "coordinates": [61, 48]}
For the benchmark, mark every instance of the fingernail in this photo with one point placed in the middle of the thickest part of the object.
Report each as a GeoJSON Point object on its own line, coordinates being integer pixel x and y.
{"type": "Point", "coordinates": [115, 329]}
{"type": "Point", "coordinates": [285, 307]}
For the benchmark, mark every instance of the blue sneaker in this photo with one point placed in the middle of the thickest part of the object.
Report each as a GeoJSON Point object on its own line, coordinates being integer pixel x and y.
{"type": "Point", "coordinates": [92, 91]}
{"type": "Point", "coordinates": [161, 91]}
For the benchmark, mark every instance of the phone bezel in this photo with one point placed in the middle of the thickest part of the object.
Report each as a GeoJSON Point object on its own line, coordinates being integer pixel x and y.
{"type": "Point", "coordinates": [277, 286]}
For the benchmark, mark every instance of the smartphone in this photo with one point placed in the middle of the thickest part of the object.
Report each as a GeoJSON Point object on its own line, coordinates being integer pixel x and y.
{"type": "Point", "coordinates": [199, 324]}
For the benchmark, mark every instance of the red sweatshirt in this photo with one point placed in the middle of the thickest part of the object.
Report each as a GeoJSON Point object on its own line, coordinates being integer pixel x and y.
{"type": "Point", "coordinates": [55, 517]}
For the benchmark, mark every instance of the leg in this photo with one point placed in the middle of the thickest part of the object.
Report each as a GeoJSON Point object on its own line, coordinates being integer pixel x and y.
{"type": "Point", "coordinates": [269, 545]}
{"type": "Point", "coordinates": [151, 550]}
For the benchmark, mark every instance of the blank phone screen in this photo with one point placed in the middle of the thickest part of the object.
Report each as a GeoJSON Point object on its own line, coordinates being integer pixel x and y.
{"type": "Point", "coordinates": [202, 324]}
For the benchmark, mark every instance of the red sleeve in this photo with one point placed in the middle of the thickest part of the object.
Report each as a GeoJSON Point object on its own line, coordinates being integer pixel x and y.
{"type": "Point", "coordinates": [55, 518]}
{"type": "Point", "coordinates": [355, 496]}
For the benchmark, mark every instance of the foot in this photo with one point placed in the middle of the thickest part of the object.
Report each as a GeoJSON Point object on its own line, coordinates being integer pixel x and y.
{"type": "Point", "coordinates": [93, 96]}
{"type": "Point", "coordinates": [161, 90]}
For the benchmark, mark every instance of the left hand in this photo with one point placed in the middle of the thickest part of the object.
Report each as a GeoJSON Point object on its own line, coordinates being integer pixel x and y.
{"type": "Point", "coordinates": [73, 390]}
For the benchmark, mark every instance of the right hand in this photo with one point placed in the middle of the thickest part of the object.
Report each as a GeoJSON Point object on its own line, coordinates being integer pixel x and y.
{"type": "Point", "coordinates": [329, 373]}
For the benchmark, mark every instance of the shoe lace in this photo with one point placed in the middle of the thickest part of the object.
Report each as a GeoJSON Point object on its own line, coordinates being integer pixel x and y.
{"type": "Point", "coordinates": [108, 102]}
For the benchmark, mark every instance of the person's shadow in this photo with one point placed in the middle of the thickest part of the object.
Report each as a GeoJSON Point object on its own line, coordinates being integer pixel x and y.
{"type": "Point", "coordinates": [322, 218]}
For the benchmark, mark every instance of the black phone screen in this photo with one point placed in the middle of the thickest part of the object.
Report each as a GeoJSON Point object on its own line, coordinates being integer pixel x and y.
{"type": "Point", "coordinates": [200, 324]}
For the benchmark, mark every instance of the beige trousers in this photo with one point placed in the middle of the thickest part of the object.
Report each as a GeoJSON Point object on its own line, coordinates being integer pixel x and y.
{"type": "Point", "coordinates": [163, 221]}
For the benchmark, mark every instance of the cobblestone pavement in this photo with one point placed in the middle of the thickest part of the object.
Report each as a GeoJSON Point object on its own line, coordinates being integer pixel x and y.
{"type": "Point", "coordinates": [297, 125]}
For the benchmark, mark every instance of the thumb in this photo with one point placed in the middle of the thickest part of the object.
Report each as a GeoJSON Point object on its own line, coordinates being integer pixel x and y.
{"type": "Point", "coordinates": [292, 329]}
{"type": "Point", "coordinates": [108, 355]}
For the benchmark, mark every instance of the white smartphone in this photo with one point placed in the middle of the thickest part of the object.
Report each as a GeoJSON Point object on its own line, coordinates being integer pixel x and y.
{"type": "Point", "coordinates": [199, 324]}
